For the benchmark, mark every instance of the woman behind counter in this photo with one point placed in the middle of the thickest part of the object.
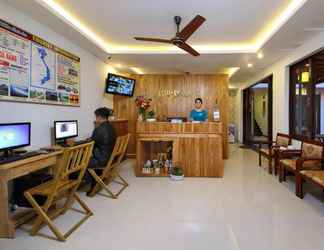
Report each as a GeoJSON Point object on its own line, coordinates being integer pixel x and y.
{"type": "Point", "coordinates": [198, 113]}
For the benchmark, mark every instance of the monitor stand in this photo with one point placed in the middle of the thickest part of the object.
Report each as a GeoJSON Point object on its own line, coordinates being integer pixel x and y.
{"type": "Point", "coordinates": [63, 143]}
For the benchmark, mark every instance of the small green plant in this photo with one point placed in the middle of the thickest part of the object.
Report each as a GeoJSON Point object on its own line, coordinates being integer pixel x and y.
{"type": "Point", "coordinates": [150, 114]}
{"type": "Point", "coordinates": [177, 171]}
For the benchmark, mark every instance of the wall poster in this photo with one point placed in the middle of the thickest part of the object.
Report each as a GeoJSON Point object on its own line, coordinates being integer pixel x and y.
{"type": "Point", "coordinates": [34, 70]}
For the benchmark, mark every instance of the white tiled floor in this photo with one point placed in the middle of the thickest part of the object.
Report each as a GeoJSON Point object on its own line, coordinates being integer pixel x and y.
{"type": "Point", "coordinates": [248, 209]}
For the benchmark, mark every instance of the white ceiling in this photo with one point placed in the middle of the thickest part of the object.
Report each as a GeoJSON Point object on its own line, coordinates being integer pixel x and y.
{"type": "Point", "coordinates": [232, 26]}
{"type": "Point", "coordinates": [227, 22]}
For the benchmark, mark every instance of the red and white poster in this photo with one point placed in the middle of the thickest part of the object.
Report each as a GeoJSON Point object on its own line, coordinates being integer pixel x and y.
{"type": "Point", "coordinates": [34, 70]}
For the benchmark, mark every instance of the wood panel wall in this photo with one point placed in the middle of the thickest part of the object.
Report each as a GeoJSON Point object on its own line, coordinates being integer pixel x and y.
{"type": "Point", "coordinates": [209, 87]}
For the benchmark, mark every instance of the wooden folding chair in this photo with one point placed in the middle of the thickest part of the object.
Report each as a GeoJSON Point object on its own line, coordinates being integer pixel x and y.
{"type": "Point", "coordinates": [111, 172]}
{"type": "Point", "coordinates": [63, 186]}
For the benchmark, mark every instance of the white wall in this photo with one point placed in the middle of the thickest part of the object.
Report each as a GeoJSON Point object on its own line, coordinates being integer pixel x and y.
{"type": "Point", "coordinates": [93, 74]}
{"type": "Point", "coordinates": [235, 113]}
{"type": "Point", "coordinates": [280, 71]}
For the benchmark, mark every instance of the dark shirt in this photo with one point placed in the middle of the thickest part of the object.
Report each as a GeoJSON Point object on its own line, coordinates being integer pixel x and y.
{"type": "Point", "coordinates": [104, 137]}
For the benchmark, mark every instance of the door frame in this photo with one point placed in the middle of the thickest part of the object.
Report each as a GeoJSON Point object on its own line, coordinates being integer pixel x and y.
{"type": "Point", "coordinates": [247, 112]}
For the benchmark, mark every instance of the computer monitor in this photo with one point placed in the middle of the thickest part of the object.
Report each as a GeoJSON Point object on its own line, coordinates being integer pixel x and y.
{"type": "Point", "coordinates": [65, 129]}
{"type": "Point", "coordinates": [177, 119]}
{"type": "Point", "coordinates": [14, 135]}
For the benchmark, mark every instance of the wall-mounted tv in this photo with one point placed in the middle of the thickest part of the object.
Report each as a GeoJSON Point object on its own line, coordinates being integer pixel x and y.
{"type": "Point", "coordinates": [120, 85]}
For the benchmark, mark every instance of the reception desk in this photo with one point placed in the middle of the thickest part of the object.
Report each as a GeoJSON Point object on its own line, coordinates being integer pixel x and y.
{"type": "Point", "coordinates": [196, 147]}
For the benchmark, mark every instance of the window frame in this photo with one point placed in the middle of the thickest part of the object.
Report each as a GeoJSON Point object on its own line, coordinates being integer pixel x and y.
{"type": "Point", "coordinates": [292, 99]}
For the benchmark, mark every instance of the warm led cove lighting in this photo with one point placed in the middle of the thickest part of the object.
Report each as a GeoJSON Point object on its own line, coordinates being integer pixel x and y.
{"type": "Point", "coordinates": [231, 71]}
{"type": "Point", "coordinates": [60, 12]}
{"type": "Point", "coordinates": [137, 70]}
{"type": "Point", "coordinates": [278, 22]}
{"type": "Point", "coordinates": [270, 29]}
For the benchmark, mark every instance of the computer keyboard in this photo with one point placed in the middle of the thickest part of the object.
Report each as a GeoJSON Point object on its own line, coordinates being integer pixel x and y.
{"type": "Point", "coordinates": [76, 143]}
{"type": "Point", "coordinates": [19, 157]}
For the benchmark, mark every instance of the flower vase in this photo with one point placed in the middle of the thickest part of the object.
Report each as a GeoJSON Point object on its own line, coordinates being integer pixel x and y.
{"type": "Point", "coordinates": [141, 116]}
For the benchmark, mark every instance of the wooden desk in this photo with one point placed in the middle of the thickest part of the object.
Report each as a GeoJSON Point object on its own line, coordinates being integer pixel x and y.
{"type": "Point", "coordinates": [12, 171]}
{"type": "Point", "coordinates": [198, 147]}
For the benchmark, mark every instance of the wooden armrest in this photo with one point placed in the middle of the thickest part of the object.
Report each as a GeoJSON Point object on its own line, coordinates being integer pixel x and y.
{"type": "Point", "coordinates": [265, 142]}
{"type": "Point", "coordinates": [269, 143]}
{"type": "Point", "coordinates": [288, 153]}
{"type": "Point", "coordinates": [296, 151]}
{"type": "Point", "coordinates": [311, 159]}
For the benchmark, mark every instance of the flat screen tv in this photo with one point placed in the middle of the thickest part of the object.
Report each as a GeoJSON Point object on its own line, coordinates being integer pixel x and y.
{"type": "Point", "coordinates": [120, 85]}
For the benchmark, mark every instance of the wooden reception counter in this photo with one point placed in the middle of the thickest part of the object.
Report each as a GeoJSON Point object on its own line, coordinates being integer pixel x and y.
{"type": "Point", "coordinates": [197, 147]}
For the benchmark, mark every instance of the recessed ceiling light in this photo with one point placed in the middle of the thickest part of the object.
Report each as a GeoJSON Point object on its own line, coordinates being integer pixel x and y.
{"type": "Point", "coordinates": [250, 65]}
{"type": "Point", "coordinates": [260, 55]}
{"type": "Point", "coordinates": [119, 65]}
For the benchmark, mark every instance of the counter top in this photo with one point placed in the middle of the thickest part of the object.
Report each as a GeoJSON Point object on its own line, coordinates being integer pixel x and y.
{"type": "Point", "coordinates": [185, 128]}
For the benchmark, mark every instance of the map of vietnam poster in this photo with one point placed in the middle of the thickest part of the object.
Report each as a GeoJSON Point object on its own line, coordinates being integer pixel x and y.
{"type": "Point", "coordinates": [34, 70]}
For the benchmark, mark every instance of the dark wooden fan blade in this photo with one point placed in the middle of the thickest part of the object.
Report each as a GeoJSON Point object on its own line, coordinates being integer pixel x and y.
{"type": "Point", "coordinates": [152, 40]}
{"type": "Point", "coordinates": [191, 27]}
{"type": "Point", "coordinates": [188, 48]}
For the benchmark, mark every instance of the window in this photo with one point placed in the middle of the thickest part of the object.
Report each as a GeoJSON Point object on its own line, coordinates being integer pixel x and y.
{"type": "Point", "coordinates": [301, 98]}
{"type": "Point", "coordinates": [318, 75]}
{"type": "Point", "coordinates": [307, 97]}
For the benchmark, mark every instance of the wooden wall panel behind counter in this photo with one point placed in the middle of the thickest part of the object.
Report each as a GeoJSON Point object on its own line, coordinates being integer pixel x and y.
{"type": "Point", "coordinates": [208, 87]}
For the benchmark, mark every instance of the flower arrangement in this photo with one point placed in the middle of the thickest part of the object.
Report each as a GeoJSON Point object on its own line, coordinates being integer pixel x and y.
{"type": "Point", "coordinates": [143, 104]}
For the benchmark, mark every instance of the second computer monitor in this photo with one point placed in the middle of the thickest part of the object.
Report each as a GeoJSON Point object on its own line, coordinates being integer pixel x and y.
{"type": "Point", "coordinates": [65, 129]}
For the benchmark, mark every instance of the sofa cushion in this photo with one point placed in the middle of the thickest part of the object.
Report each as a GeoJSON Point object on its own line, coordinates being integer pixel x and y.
{"type": "Point", "coordinates": [315, 175]}
{"type": "Point", "coordinates": [282, 141]}
{"type": "Point", "coordinates": [311, 150]}
{"type": "Point", "coordinates": [291, 163]}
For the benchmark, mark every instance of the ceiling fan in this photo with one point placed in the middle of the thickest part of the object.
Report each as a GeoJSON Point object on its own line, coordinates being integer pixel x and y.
{"type": "Point", "coordinates": [181, 36]}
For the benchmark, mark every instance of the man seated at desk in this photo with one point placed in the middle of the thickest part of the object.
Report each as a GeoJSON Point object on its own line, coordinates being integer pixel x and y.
{"type": "Point", "coordinates": [104, 137]}
{"type": "Point", "coordinates": [198, 114]}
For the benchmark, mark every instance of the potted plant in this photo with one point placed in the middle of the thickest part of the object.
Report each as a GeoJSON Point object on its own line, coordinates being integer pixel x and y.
{"type": "Point", "coordinates": [150, 117]}
{"type": "Point", "coordinates": [142, 104]}
{"type": "Point", "coordinates": [177, 173]}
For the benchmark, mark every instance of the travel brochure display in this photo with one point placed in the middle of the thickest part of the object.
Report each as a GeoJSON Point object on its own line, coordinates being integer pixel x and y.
{"type": "Point", "coordinates": [33, 70]}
